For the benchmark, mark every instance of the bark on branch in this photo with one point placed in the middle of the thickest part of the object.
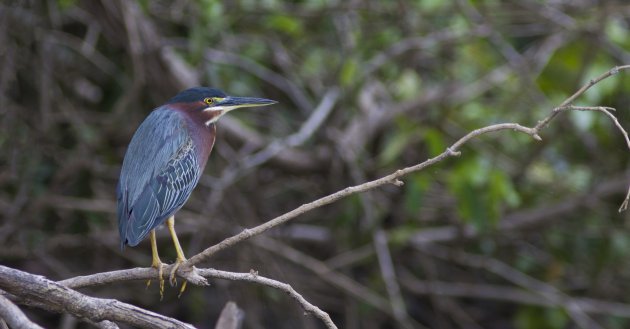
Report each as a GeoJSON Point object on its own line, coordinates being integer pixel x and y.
{"type": "Point", "coordinates": [38, 289]}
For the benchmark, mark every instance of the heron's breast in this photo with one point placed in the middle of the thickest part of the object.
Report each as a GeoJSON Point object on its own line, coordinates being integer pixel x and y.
{"type": "Point", "coordinates": [203, 138]}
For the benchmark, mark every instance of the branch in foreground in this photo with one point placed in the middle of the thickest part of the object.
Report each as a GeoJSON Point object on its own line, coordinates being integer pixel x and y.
{"type": "Point", "coordinates": [149, 273]}
{"type": "Point", "coordinates": [253, 277]}
{"type": "Point", "coordinates": [56, 296]}
{"type": "Point", "coordinates": [13, 316]}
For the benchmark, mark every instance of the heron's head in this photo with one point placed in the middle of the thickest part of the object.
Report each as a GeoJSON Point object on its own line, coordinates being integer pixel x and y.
{"type": "Point", "coordinates": [214, 103]}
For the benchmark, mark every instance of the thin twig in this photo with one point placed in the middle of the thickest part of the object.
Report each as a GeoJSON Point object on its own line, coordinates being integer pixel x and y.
{"type": "Point", "coordinates": [392, 178]}
{"type": "Point", "coordinates": [544, 122]}
{"type": "Point", "coordinates": [253, 277]}
{"type": "Point", "coordinates": [320, 268]}
{"type": "Point", "coordinates": [626, 200]}
{"type": "Point", "coordinates": [390, 279]}
{"type": "Point", "coordinates": [606, 110]}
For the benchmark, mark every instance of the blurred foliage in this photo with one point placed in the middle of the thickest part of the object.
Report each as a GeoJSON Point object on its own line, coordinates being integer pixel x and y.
{"type": "Point", "coordinates": [77, 77]}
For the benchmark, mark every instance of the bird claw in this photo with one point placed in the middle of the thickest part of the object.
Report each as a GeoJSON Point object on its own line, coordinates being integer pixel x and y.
{"type": "Point", "coordinates": [173, 278]}
{"type": "Point", "coordinates": [160, 270]}
{"type": "Point", "coordinates": [181, 291]}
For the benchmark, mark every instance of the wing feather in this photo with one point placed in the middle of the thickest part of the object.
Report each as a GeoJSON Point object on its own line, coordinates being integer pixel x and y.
{"type": "Point", "coordinates": [159, 172]}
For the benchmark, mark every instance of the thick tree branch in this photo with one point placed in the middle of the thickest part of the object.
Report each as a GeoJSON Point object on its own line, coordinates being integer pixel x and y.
{"type": "Point", "coordinates": [149, 273]}
{"type": "Point", "coordinates": [57, 296]}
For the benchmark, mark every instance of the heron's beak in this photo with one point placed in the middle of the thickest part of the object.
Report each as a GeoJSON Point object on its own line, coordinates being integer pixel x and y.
{"type": "Point", "coordinates": [231, 102]}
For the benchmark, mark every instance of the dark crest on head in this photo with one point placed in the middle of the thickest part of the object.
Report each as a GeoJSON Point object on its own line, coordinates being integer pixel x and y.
{"type": "Point", "coordinates": [196, 94]}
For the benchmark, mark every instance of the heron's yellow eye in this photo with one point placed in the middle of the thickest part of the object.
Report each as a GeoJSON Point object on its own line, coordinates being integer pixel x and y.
{"type": "Point", "coordinates": [208, 100]}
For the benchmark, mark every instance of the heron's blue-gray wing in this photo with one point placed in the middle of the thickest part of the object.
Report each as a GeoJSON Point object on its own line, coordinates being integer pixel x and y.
{"type": "Point", "coordinates": [158, 175]}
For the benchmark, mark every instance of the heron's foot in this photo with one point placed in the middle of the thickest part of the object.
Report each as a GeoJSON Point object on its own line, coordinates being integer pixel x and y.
{"type": "Point", "coordinates": [158, 266]}
{"type": "Point", "coordinates": [181, 291]}
{"type": "Point", "coordinates": [173, 276]}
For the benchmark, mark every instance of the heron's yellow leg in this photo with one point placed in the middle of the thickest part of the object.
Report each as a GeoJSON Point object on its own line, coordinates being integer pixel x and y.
{"type": "Point", "coordinates": [156, 263]}
{"type": "Point", "coordinates": [170, 222]}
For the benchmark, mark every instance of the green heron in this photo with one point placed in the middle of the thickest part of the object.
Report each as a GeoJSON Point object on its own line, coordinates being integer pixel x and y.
{"type": "Point", "coordinates": [164, 162]}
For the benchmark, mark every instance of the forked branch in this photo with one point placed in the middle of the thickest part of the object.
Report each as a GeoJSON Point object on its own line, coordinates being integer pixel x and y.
{"type": "Point", "coordinates": [394, 178]}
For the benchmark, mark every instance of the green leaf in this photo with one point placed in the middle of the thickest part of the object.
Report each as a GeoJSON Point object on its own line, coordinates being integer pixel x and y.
{"type": "Point", "coordinates": [616, 32]}
{"type": "Point", "coordinates": [348, 72]}
{"type": "Point", "coordinates": [400, 236]}
{"type": "Point", "coordinates": [414, 190]}
{"type": "Point", "coordinates": [394, 146]}
{"type": "Point", "coordinates": [533, 317]}
{"type": "Point", "coordinates": [502, 189]}
{"type": "Point", "coordinates": [408, 85]}
{"type": "Point", "coordinates": [435, 141]}
{"type": "Point", "coordinates": [481, 192]}
{"type": "Point", "coordinates": [65, 4]}
{"type": "Point", "coordinates": [620, 244]}
{"type": "Point", "coordinates": [428, 6]}
{"type": "Point", "coordinates": [212, 12]}
{"type": "Point", "coordinates": [557, 318]}
{"type": "Point", "coordinates": [286, 24]}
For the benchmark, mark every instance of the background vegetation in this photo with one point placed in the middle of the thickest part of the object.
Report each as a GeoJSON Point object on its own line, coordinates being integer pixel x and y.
{"type": "Point", "coordinates": [512, 234]}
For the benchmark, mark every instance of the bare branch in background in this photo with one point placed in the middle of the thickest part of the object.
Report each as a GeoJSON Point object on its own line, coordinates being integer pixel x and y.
{"type": "Point", "coordinates": [310, 126]}
{"type": "Point", "coordinates": [390, 279]}
{"type": "Point", "coordinates": [517, 277]}
{"type": "Point", "coordinates": [508, 294]}
{"type": "Point", "coordinates": [295, 93]}
{"type": "Point", "coordinates": [231, 317]}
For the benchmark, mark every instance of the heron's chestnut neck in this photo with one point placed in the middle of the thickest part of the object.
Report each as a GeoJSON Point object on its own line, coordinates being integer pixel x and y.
{"type": "Point", "coordinates": [202, 134]}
